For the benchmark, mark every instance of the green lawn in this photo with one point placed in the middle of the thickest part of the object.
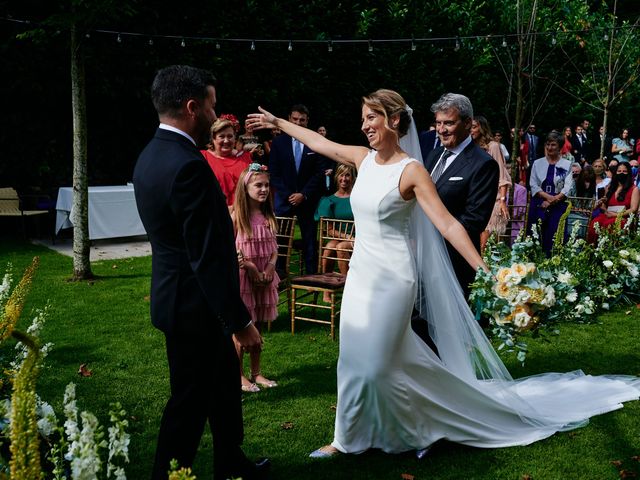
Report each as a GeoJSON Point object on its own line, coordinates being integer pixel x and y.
{"type": "Point", "coordinates": [106, 325]}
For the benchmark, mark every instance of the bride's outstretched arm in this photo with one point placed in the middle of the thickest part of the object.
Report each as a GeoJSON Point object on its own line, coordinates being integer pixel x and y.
{"type": "Point", "coordinates": [348, 154]}
{"type": "Point", "coordinates": [417, 180]}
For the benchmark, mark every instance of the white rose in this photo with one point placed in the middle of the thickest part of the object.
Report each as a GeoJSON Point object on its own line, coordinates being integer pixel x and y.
{"type": "Point", "coordinates": [572, 296]}
{"type": "Point", "coordinates": [624, 253]}
{"type": "Point", "coordinates": [608, 263]}
{"type": "Point", "coordinates": [564, 277]}
{"type": "Point", "coordinates": [549, 296]}
{"type": "Point", "coordinates": [521, 319]}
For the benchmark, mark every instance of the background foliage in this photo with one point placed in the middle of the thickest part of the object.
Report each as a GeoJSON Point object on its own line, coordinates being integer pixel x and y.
{"type": "Point", "coordinates": [35, 141]}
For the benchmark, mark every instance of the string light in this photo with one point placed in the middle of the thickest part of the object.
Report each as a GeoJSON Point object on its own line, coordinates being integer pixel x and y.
{"type": "Point", "coordinates": [253, 46]}
{"type": "Point", "coordinates": [151, 42]}
{"type": "Point", "coordinates": [436, 42]}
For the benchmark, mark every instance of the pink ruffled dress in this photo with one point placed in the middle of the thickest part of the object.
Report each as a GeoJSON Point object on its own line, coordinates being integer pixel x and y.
{"type": "Point", "coordinates": [261, 300]}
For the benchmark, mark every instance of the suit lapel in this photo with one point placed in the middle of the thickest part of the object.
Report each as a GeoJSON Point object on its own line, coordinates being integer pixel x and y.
{"type": "Point", "coordinates": [458, 166]}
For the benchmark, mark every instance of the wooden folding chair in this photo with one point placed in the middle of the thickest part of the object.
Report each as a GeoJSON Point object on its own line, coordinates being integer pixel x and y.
{"type": "Point", "coordinates": [306, 289]}
{"type": "Point", "coordinates": [284, 238]}
{"type": "Point", "coordinates": [581, 211]}
{"type": "Point", "coordinates": [11, 205]}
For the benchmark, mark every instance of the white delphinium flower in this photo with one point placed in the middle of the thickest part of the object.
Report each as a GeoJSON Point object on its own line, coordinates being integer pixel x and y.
{"type": "Point", "coordinates": [47, 419]}
{"type": "Point", "coordinates": [71, 423]}
{"type": "Point", "coordinates": [85, 458]}
{"type": "Point", "coordinates": [5, 286]}
{"type": "Point", "coordinates": [118, 442]}
{"type": "Point", "coordinates": [34, 330]}
{"type": "Point", "coordinates": [607, 263]}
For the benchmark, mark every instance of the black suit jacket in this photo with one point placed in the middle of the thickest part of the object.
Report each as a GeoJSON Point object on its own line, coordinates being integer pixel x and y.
{"type": "Point", "coordinates": [468, 188]}
{"type": "Point", "coordinates": [194, 279]}
{"type": "Point", "coordinates": [428, 142]}
{"type": "Point", "coordinates": [309, 180]}
{"type": "Point", "coordinates": [579, 150]}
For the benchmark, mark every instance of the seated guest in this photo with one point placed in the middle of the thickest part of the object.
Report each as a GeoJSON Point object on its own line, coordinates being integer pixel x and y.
{"type": "Point", "coordinates": [576, 168]}
{"type": "Point", "coordinates": [338, 206]}
{"type": "Point", "coordinates": [585, 191]}
{"type": "Point", "coordinates": [602, 180]}
{"type": "Point", "coordinates": [550, 183]}
{"type": "Point", "coordinates": [224, 160]}
{"type": "Point", "coordinates": [622, 147]}
{"type": "Point", "coordinates": [622, 198]}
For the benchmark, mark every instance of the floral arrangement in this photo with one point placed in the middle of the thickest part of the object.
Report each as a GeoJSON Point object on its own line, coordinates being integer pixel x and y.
{"type": "Point", "coordinates": [235, 123]}
{"type": "Point", "coordinates": [527, 293]}
{"type": "Point", "coordinates": [30, 425]}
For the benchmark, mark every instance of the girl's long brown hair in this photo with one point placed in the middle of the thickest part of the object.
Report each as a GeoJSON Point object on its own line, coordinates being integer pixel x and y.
{"type": "Point", "coordinates": [242, 216]}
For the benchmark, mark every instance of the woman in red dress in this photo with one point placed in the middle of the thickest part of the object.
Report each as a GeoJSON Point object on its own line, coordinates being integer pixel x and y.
{"type": "Point", "coordinates": [622, 196]}
{"type": "Point", "coordinates": [224, 160]}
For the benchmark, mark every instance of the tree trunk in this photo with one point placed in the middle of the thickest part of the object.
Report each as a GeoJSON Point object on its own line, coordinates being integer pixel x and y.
{"type": "Point", "coordinates": [80, 215]}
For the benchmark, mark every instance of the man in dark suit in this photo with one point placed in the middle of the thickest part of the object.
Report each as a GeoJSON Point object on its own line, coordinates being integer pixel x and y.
{"type": "Point", "coordinates": [465, 176]}
{"type": "Point", "coordinates": [579, 145]}
{"type": "Point", "coordinates": [297, 177]}
{"type": "Point", "coordinates": [429, 141]}
{"type": "Point", "coordinates": [195, 293]}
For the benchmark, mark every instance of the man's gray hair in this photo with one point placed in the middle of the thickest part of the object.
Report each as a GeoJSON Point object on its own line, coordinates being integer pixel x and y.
{"type": "Point", "coordinates": [454, 100]}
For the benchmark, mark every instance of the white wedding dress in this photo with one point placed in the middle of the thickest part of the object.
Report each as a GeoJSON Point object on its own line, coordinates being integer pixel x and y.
{"type": "Point", "coordinates": [394, 393]}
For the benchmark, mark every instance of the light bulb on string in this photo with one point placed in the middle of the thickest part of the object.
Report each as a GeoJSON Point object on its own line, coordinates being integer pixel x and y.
{"type": "Point", "coordinates": [554, 40]}
{"type": "Point", "coordinates": [329, 46]}
{"type": "Point", "coordinates": [606, 37]}
{"type": "Point", "coordinates": [183, 43]}
{"type": "Point", "coordinates": [413, 45]}
{"type": "Point", "coordinates": [87, 35]}
{"type": "Point", "coordinates": [504, 41]}
{"type": "Point", "coordinates": [370, 46]}
{"type": "Point", "coordinates": [119, 39]}
{"type": "Point", "coordinates": [218, 46]}
{"type": "Point", "coordinates": [290, 47]}
{"type": "Point", "coordinates": [457, 47]}
{"type": "Point", "coordinates": [253, 46]}
{"type": "Point", "coordinates": [151, 42]}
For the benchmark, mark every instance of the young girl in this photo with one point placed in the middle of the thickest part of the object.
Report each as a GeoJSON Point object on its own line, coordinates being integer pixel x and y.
{"type": "Point", "coordinates": [255, 226]}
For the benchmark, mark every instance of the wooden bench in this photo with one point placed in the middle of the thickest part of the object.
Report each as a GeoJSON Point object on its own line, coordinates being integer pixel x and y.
{"type": "Point", "coordinates": [11, 206]}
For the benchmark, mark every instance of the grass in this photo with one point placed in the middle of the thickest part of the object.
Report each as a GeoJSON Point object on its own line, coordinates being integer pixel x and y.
{"type": "Point", "coordinates": [106, 325]}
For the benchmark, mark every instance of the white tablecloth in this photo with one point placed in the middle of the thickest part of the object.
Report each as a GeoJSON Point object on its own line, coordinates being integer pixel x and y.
{"type": "Point", "coordinates": [112, 212]}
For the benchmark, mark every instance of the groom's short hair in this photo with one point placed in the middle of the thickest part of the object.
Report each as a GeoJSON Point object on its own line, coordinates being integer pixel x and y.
{"type": "Point", "coordinates": [454, 100]}
{"type": "Point", "coordinates": [177, 84]}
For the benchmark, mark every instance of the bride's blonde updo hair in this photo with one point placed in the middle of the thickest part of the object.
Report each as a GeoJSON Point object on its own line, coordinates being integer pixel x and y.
{"type": "Point", "coordinates": [388, 103]}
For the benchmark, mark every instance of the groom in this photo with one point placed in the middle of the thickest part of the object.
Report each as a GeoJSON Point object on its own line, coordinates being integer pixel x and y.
{"type": "Point", "coordinates": [195, 292]}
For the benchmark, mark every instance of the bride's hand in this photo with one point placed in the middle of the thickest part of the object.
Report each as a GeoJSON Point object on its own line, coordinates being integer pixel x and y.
{"type": "Point", "coordinates": [260, 120]}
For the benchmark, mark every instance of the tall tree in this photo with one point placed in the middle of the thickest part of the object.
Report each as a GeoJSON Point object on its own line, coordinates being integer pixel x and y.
{"type": "Point", "coordinates": [606, 61]}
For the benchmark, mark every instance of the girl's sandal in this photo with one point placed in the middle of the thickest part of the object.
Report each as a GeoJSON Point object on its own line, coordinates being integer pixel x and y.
{"type": "Point", "coordinates": [266, 383]}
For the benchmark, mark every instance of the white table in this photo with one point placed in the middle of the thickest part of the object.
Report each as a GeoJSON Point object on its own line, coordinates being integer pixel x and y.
{"type": "Point", "coordinates": [112, 212]}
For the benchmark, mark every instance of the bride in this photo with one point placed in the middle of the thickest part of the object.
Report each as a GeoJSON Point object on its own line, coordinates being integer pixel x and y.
{"type": "Point", "coordinates": [394, 392]}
